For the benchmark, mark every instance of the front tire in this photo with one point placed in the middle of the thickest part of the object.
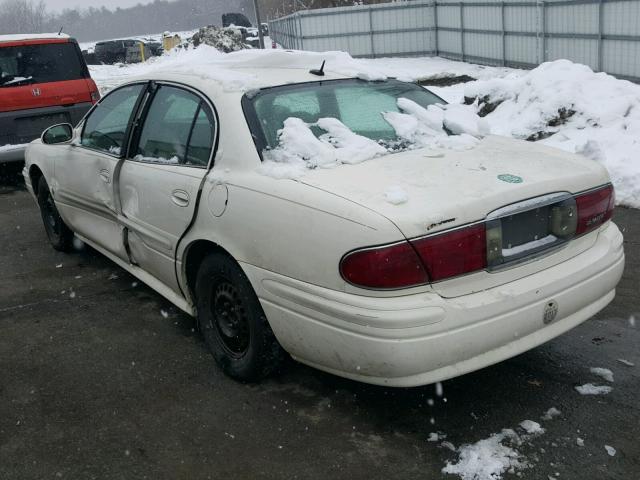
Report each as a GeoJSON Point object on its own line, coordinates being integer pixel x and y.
{"type": "Point", "coordinates": [60, 236]}
{"type": "Point", "coordinates": [232, 321]}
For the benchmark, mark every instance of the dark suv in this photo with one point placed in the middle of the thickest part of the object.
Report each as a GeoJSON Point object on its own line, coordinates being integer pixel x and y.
{"type": "Point", "coordinates": [43, 81]}
{"type": "Point", "coordinates": [113, 51]}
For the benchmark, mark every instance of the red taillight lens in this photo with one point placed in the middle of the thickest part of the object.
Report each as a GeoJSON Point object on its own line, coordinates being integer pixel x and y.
{"type": "Point", "coordinates": [453, 253]}
{"type": "Point", "coordinates": [95, 96]}
{"type": "Point", "coordinates": [594, 208]}
{"type": "Point", "coordinates": [394, 266]}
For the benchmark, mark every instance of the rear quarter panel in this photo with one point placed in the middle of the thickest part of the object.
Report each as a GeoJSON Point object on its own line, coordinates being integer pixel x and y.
{"type": "Point", "coordinates": [285, 227]}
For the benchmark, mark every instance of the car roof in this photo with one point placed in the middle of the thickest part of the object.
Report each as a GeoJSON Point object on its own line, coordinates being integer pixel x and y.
{"type": "Point", "coordinates": [32, 36]}
{"type": "Point", "coordinates": [240, 73]}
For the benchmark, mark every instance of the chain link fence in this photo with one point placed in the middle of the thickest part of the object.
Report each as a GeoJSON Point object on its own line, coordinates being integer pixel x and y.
{"type": "Point", "coordinates": [604, 34]}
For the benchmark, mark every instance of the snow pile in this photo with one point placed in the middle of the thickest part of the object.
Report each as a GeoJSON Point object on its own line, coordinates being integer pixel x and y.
{"type": "Point", "coordinates": [604, 373]}
{"type": "Point", "coordinates": [224, 39]}
{"type": "Point", "coordinates": [531, 427]}
{"type": "Point", "coordinates": [572, 108]}
{"type": "Point", "coordinates": [396, 195]}
{"type": "Point", "coordinates": [551, 414]}
{"type": "Point", "coordinates": [168, 161]}
{"type": "Point", "coordinates": [591, 389]}
{"type": "Point", "coordinates": [300, 150]}
{"type": "Point", "coordinates": [430, 127]}
{"type": "Point", "coordinates": [488, 459]}
{"type": "Point", "coordinates": [610, 450]}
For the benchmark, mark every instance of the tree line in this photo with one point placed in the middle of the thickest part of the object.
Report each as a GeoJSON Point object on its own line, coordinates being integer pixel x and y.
{"type": "Point", "coordinates": [31, 16]}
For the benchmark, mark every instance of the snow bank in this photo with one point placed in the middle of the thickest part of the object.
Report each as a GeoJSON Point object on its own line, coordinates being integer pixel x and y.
{"type": "Point", "coordinates": [591, 389]}
{"type": "Point", "coordinates": [573, 109]}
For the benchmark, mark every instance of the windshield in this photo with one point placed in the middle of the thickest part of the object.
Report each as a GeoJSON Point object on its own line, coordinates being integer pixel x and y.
{"type": "Point", "coordinates": [360, 105]}
{"type": "Point", "coordinates": [27, 64]}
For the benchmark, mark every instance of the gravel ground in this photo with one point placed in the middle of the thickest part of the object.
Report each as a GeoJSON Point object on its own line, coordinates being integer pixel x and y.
{"type": "Point", "coordinates": [98, 384]}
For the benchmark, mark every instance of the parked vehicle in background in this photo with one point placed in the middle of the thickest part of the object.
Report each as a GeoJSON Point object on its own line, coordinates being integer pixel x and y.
{"type": "Point", "coordinates": [155, 47]}
{"type": "Point", "coordinates": [126, 50]}
{"type": "Point", "coordinates": [89, 56]}
{"type": "Point", "coordinates": [44, 80]}
{"type": "Point", "coordinates": [237, 19]}
{"type": "Point", "coordinates": [501, 248]}
{"type": "Point", "coordinates": [265, 29]}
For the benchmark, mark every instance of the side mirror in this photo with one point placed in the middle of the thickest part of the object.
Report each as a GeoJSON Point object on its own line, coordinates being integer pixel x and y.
{"type": "Point", "coordinates": [61, 133]}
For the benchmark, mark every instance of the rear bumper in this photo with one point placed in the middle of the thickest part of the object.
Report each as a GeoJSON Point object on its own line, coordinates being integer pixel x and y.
{"type": "Point", "coordinates": [11, 154]}
{"type": "Point", "coordinates": [18, 128]}
{"type": "Point", "coordinates": [424, 338]}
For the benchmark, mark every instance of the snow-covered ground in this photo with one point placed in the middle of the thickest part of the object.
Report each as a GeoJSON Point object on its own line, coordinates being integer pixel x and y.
{"type": "Point", "coordinates": [562, 104]}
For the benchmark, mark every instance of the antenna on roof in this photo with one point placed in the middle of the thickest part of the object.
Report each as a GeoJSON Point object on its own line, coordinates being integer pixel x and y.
{"type": "Point", "coordinates": [60, 32]}
{"type": "Point", "coordinates": [319, 72]}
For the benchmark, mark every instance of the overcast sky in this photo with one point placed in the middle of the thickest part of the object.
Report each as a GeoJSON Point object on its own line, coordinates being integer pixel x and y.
{"type": "Point", "coordinates": [57, 5]}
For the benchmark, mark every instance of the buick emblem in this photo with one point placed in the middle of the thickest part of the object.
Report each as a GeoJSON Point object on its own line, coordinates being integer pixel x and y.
{"type": "Point", "coordinates": [35, 92]}
{"type": "Point", "coordinates": [550, 312]}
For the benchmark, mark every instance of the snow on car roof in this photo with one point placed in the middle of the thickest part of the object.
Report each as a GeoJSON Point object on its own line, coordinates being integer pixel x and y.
{"type": "Point", "coordinates": [251, 69]}
{"type": "Point", "coordinates": [32, 36]}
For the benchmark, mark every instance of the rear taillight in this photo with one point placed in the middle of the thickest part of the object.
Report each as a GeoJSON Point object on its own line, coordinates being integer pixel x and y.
{"type": "Point", "coordinates": [594, 208]}
{"type": "Point", "coordinates": [453, 253]}
{"type": "Point", "coordinates": [391, 266]}
{"type": "Point", "coordinates": [95, 96]}
{"type": "Point", "coordinates": [472, 248]}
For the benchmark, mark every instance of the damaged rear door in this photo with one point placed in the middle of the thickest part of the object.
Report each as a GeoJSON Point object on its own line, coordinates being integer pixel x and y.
{"type": "Point", "coordinates": [86, 171]}
{"type": "Point", "coordinates": [160, 181]}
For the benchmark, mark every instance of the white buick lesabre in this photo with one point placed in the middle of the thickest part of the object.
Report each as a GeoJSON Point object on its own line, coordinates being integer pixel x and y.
{"type": "Point", "coordinates": [364, 227]}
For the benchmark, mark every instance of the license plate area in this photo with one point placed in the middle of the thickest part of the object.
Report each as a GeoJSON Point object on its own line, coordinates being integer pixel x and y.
{"type": "Point", "coordinates": [526, 230]}
{"type": "Point", "coordinates": [32, 127]}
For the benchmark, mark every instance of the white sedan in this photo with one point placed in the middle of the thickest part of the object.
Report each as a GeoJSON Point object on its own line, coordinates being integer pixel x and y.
{"type": "Point", "coordinates": [363, 227]}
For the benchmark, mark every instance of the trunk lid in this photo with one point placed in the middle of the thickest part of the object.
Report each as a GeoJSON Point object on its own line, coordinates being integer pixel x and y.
{"type": "Point", "coordinates": [448, 189]}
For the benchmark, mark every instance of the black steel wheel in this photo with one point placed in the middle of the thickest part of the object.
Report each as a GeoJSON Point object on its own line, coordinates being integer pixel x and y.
{"type": "Point", "coordinates": [60, 236]}
{"type": "Point", "coordinates": [232, 321]}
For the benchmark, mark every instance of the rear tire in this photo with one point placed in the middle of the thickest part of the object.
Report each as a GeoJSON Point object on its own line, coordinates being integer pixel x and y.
{"type": "Point", "coordinates": [233, 323]}
{"type": "Point", "coordinates": [60, 236]}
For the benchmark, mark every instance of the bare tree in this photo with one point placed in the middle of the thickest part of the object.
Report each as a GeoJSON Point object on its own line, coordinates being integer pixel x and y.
{"type": "Point", "coordinates": [22, 16]}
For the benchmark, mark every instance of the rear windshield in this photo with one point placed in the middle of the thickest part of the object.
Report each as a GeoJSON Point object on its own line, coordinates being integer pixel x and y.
{"type": "Point", "coordinates": [360, 105]}
{"type": "Point", "coordinates": [27, 64]}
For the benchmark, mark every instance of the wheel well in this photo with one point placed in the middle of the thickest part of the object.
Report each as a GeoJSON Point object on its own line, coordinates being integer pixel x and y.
{"type": "Point", "coordinates": [34, 175]}
{"type": "Point", "coordinates": [196, 252]}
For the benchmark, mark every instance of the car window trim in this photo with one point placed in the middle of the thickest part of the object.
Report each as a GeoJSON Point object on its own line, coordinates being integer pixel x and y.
{"type": "Point", "coordinates": [203, 98]}
{"type": "Point", "coordinates": [127, 132]}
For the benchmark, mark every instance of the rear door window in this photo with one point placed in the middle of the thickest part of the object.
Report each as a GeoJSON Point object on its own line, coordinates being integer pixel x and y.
{"type": "Point", "coordinates": [178, 129]}
{"type": "Point", "coordinates": [28, 64]}
{"type": "Point", "coordinates": [106, 127]}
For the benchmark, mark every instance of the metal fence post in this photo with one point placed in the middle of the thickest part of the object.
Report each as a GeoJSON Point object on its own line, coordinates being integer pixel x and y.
{"type": "Point", "coordinates": [373, 48]}
{"type": "Point", "coordinates": [600, 33]}
{"type": "Point", "coordinates": [301, 35]}
{"type": "Point", "coordinates": [504, 35]}
{"type": "Point", "coordinates": [462, 29]}
{"type": "Point", "coordinates": [435, 27]}
{"type": "Point", "coordinates": [544, 31]}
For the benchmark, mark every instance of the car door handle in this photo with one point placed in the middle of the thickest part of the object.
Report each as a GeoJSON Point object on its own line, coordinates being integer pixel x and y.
{"type": "Point", "coordinates": [180, 198]}
{"type": "Point", "coordinates": [105, 176]}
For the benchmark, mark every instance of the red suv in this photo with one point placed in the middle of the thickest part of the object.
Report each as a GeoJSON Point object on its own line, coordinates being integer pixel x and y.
{"type": "Point", "coordinates": [43, 81]}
